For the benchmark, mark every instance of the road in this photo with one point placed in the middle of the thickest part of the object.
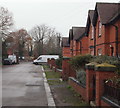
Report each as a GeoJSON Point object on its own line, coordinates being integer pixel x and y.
{"type": "Point", "coordinates": [23, 85]}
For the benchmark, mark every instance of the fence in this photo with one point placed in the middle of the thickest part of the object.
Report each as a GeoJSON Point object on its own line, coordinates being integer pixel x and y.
{"type": "Point", "coordinates": [112, 93]}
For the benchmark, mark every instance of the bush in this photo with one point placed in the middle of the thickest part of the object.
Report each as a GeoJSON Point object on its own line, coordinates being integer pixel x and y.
{"type": "Point", "coordinates": [81, 76]}
{"type": "Point", "coordinates": [59, 63]}
{"type": "Point", "coordinates": [79, 61]}
{"type": "Point", "coordinates": [108, 59]}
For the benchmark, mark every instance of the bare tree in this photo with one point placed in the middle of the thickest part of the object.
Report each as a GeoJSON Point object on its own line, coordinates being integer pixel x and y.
{"type": "Point", "coordinates": [45, 40]}
{"type": "Point", "coordinates": [38, 34]}
{"type": "Point", "coordinates": [6, 22]}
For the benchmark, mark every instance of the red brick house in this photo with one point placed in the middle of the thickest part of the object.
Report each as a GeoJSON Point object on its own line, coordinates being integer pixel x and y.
{"type": "Point", "coordinates": [100, 37]}
{"type": "Point", "coordinates": [90, 32]}
{"type": "Point", "coordinates": [106, 22]}
{"type": "Point", "coordinates": [71, 41]}
{"type": "Point", "coordinates": [75, 36]}
{"type": "Point", "coordinates": [82, 43]}
{"type": "Point", "coordinates": [65, 47]}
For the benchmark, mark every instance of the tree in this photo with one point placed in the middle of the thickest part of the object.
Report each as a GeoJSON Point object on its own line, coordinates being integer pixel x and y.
{"type": "Point", "coordinates": [29, 45]}
{"type": "Point", "coordinates": [6, 22]}
{"type": "Point", "coordinates": [38, 34]}
{"type": "Point", "coordinates": [46, 40]}
{"type": "Point", "coordinates": [21, 39]}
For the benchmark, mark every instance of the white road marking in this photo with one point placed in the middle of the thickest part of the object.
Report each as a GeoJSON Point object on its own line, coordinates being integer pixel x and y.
{"type": "Point", "coordinates": [50, 99]}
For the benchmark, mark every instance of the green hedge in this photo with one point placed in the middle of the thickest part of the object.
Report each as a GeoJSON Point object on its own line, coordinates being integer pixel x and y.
{"type": "Point", "coordinates": [108, 59]}
{"type": "Point", "coordinates": [79, 61]}
{"type": "Point", "coordinates": [59, 63]}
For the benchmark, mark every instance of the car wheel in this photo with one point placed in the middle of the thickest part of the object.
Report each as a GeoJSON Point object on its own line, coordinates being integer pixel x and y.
{"type": "Point", "coordinates": [36, 63]}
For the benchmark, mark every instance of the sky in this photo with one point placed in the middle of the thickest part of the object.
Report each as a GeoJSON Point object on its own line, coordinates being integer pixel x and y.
{"type": "Point", "coordinates": [60, 14]}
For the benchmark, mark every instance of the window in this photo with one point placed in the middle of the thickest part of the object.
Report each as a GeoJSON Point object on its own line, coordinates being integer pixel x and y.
{"type": "Point", "coordinates": [39, 58]}
{"type": "Point", "coordinates": [99, 51]}
{"type": "Point", "coordinates": [92, 33]}
{"type": "Point", "coordinates": [92, 52]}
{"type": "Point", "coordinates": [100, 29]}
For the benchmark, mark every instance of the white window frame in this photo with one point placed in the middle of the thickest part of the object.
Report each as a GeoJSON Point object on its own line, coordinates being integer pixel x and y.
{"type": "Point", "coordinates": [100, 51]}
{"type": "Point", "coordinates": [100, 29]}
{"type": "Point", "coordinates": [92, 32]}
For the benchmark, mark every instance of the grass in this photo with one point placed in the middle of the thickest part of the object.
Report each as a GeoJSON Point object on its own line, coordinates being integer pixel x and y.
{"type": "Point", "coordinates": [76, 102]}
{"type": "Point", "coordinates": [49, 73]}
{"type": "Point", "coordinates": [67, 95]}
{"type": "Point", "coordinates": [46, 67]}
{"type": "Point", "coordinates": [53, 77]}
{"type": "Point", "coordinates": [52, 74]}
{"type": "Point", "coordinates": [54, 82]}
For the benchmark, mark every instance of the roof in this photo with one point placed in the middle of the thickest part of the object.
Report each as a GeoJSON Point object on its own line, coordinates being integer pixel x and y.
{"type": "Point", "coordinates": [77, 32]}
{"type": "Point", "coordinates": [91, 13]}
{"type": "Point", "coordinates": [89, 21]}
{"type": "Point", "coordinates": [65, 42]}
{"type": "Point", "coordinates": [70, 35]}
{"type": "Point", "coordinates": [106, 11]}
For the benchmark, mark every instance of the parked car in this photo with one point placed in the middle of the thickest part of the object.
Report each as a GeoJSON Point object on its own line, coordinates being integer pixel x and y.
{"type": "Point", "coordinates": [13, 58]}
{"type": "Point", "coordinates": [7, 61]}
{"type": "Point", "coordinates": [43, 59]}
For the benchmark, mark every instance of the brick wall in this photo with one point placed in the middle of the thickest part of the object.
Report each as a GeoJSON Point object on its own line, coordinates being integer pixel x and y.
{"type": "Point", "coordinates": [104, 104]}
{"type": "Point", "coordinates": [90, 73]}
{"type": "Point", "coordinates": [84, 42]}
{"type": "Point", "coordinates": [100, 77]}
{"type": "Point", "coordinates": [77, 87]}
{"type": "Point", "coordinates": [66, 52]}
{"type": "Point", "coordinates": [67, 69]}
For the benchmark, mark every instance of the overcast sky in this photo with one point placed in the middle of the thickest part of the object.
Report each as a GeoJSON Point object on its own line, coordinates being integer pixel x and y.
{"type": "Point", "coordinates": [61, 14]}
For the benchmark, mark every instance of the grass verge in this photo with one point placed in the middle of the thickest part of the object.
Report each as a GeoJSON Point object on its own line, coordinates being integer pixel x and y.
{"type": "Point", "coordinates": [64, 95]}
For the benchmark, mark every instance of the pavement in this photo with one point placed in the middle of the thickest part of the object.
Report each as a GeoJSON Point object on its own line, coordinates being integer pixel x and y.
{"type": "Point", "coordinates": [23, 85]}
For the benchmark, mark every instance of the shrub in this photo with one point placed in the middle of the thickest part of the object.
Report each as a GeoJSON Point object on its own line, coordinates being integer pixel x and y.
{"type": "Point", "coordinates": [108, 59]}
{"type": "Point", "coordinates": [81, 76]}
{"type": "Point", "coordinates": [113, 61]}
{"type": "Point", "coordinates": [79, 61]}
{"type": "Point", "coordinates": [59, 63]}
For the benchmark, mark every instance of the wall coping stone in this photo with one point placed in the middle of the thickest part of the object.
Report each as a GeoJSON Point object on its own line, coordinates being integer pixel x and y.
{"type": "Point", "coordinates": [76, 81]}
{"type": "Point", "coordinates": [105, 67]}
{"type": "Point", "coordinates": [60, 70]}
{"type": "Point", "coordinates": [91, 65]}
{"type": "Point", "coordinates": [108, 101]}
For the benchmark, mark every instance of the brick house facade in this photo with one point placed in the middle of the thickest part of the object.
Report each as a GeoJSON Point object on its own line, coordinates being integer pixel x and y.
{"type": "Point", "coordinates": [90, 33]}
{"type": "Point", "coordinates": [76, 39]}
{"type": "Point", "coordinates": [65, 47]}
{"type": "Point", "coordinates": [101, 36]}
{"type": "Point", "coordinates": [106, 21]}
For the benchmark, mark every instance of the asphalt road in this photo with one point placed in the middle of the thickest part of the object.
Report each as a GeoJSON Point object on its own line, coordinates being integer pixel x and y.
{"type": "Point", "coordinates": [23, 85]}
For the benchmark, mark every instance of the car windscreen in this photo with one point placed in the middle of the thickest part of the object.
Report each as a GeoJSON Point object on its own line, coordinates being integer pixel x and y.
{"type": "Point", "coordinates": [39, 58]}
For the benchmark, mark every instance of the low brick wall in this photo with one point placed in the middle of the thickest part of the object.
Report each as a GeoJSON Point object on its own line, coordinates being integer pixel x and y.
{"type": "Point", "coordinates": [68, 71]}
{"type": "Point", "coordinates": [79, 88]}
{"type": "Point", "coordinates": [104, 104]}
{"type": "Point", "coordinates": [59, 70]}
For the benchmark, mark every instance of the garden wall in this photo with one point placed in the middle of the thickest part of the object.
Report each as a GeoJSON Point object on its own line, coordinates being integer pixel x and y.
{"type": "Point", "coordinates": [79, 88]}
{"type": "Point", "coordinates": [94, 89]}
